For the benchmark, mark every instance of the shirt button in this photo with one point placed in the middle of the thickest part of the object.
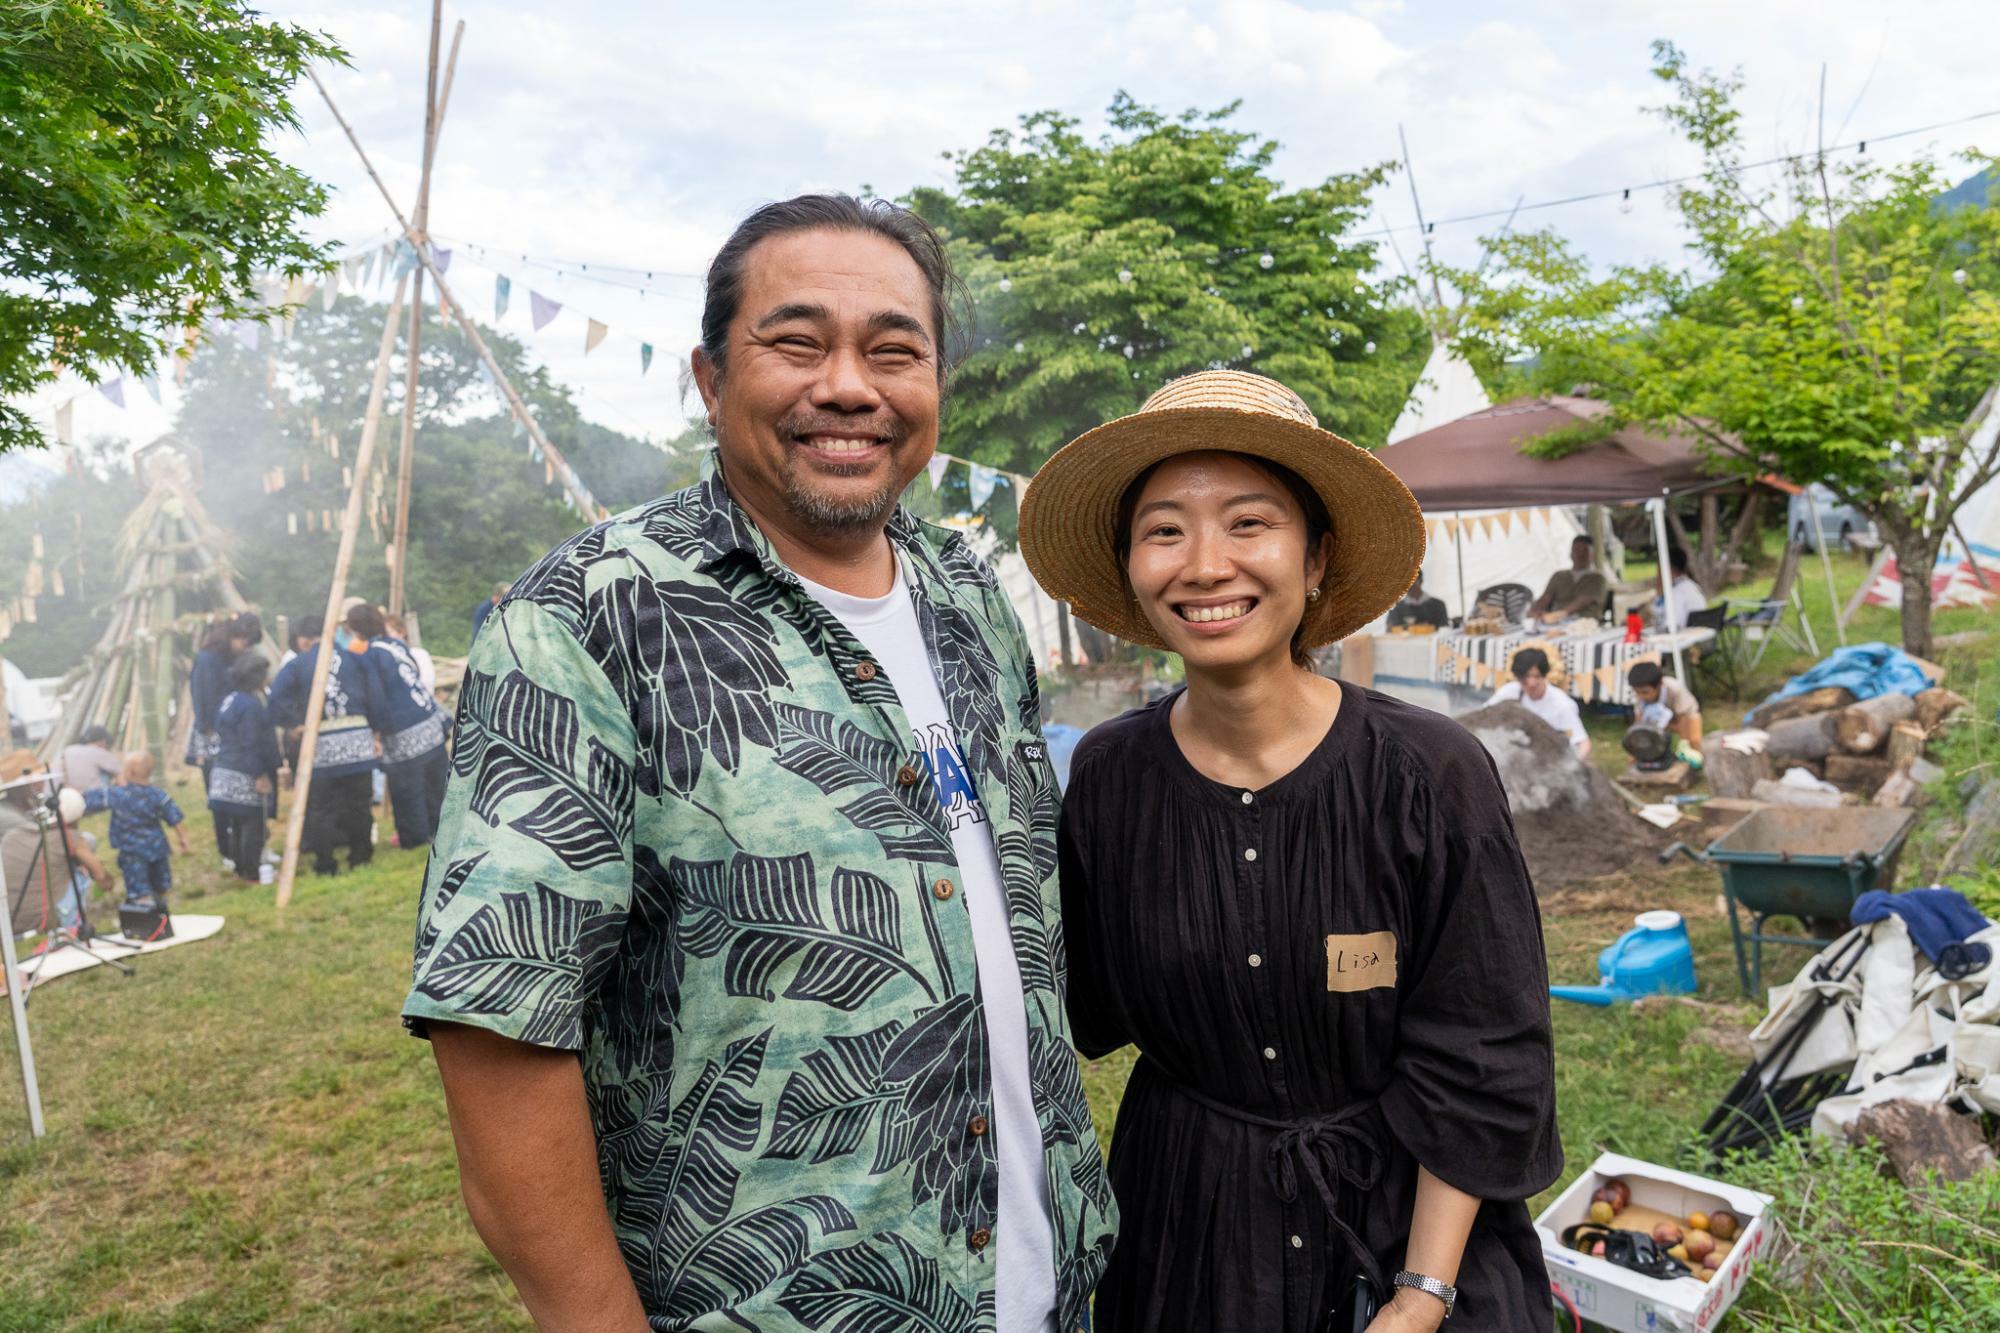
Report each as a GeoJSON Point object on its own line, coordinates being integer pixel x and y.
{"type": "Point", "coordinates": [944, 888]}
{"type": "Point", "coordinates": [978, 1126]}
{"type": "Point", "coordinates": [864, 671]}
{"type": "Point", "coordinates": [1249, 853]}
{"type": "Point", "coordinates": [907, 775]}
{"type": "Point", "coordinates": [1298, 1243]}
{"type": "Point", "coordinates": [980, 1238]}
{"type": "Point", "coordinates": [1256, 960]}
{"type": "Point", "coordinates": [1270, 1053]}
{"type": "Point", "coordinates": [1247, 798]}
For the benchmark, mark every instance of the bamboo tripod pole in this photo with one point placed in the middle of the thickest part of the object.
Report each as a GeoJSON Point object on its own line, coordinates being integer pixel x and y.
{"type": "Point", "coordinates": [434, 103]}
{"type": "Point", "coordinates": [350, 527]}
{"type": "Point", "coordinates": [584, 503]}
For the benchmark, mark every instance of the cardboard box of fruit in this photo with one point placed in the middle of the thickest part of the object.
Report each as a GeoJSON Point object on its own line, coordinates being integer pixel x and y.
{"type": "Point", "coordinates": [1714, 1228]}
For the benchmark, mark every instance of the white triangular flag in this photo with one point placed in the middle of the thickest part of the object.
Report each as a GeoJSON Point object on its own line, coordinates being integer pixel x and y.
{"type": "Point", "coordinates": [938, 465]}
{"type": "Point", "coordinates": [984, 479]}
{"type": "Point", "coordinates": [66, 423]}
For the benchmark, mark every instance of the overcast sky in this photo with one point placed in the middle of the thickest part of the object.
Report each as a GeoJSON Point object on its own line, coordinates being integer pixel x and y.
{"type": "Point", "coordinates": [636, 134]}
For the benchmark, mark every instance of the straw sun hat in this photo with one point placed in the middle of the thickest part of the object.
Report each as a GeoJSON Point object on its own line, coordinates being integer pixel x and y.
{"type": "Point", "coordinates": [1070, 513]}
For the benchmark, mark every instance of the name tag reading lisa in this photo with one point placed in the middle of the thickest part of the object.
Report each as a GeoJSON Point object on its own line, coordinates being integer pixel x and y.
{"type": "Point", "coordinates": [1361, 962]}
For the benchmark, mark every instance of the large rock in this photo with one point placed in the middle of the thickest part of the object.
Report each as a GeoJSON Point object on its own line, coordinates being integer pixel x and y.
{"type": "Point", "coordinates": [1919, 1138]}
{"type": "Point", "coordinates": [1573, 824]}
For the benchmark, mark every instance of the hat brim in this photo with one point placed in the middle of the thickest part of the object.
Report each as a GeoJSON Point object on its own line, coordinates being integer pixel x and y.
{"type": "Point", "coordinates": [1069, 515]}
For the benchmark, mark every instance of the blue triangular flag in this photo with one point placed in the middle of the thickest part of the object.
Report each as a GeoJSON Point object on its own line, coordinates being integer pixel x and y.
{"type": "Point", "coordinates": [114, 390]}
{"type": "Point", "coordinates": [984, 479]}
{"type": "Point", "coordinates": [152, 383]}
{"type": "Point", "coordinates": [645, 357]}
{"type": "Point", "coordinates": [502, 289]}
{"type": "Point", "coordinates": [406, 259]}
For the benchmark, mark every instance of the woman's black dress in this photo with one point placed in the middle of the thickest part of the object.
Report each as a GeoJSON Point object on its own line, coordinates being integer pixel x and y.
{"type": "Point", "coordinates": [1293, 1072]}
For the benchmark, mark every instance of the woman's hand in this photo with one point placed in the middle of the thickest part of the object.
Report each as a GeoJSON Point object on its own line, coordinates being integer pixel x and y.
{"type": "Point", "coordinates": [1409, 1312]}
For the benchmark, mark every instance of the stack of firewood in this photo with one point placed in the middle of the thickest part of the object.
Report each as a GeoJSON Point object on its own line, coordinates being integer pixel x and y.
{"type": "Point", "coordinates": [1871, 749]}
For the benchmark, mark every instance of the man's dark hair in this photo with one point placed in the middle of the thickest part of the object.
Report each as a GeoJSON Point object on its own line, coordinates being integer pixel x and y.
{"type": "Point", "coordinates": [366, 621]}
{"type": "Point", "coordinates": [96, 734]}
{"type": "Point", "coordinates": [1677, 560]}
{"type": "Point", "coordinates": [306, 626]}
{"type": "Point", "coordinates": [249, 627]}
{"type": "Point", "coordinates": [950, 303]}
{"type": "Point", "coordinates": [1580, 538]}
{"type": "Point", "coordinates": [1647, 674]}
{"type": "Point", "coordinates": [1529, 659]}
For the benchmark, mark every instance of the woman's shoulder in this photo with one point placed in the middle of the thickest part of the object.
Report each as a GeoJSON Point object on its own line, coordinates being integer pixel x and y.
{"type": "Point", "coordinates": [1120, 738]}
{"type": "Point", "coordinates": [1435, 753]}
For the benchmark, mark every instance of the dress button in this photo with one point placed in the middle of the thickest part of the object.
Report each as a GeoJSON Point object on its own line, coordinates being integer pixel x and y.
{"type": "Point", "coordinates": [1247, 798]}
{"type": "Point", "coordinates": [907, 775]}
{"type": "Point", "coordinates": [864, 671]}
{"type": "Point", "coordinates": [978, 1126]}
{"type": "Point", "coordinates": [944, 888]}
{"type": "Point", "coordinates": [1298, 1243]}
{"type": "Point", "coordinates": [1270, 1053]}
{"type": "Point", "coordinates": [1249, 853]}
{"type": "Point", "coordinates": [980, 1238]}
{"type": "Point", "coordinates": [1256, 960]}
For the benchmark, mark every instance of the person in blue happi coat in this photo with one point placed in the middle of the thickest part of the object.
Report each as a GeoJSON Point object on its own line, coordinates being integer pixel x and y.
{"type": "Point", "coordinates": [243, 785]}
{"type": "Point", "coordinates": [141, 814]}
{"type": "Point", "coordinates": [208, 682]}
{"type": "Point", "coordinates": [411, 725]}
{"type": "Point", "coordinates": [345, 754]}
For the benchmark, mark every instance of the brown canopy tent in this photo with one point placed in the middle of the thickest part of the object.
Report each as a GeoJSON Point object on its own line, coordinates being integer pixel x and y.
{"type": "Point", "coordinates": [1476, 462]}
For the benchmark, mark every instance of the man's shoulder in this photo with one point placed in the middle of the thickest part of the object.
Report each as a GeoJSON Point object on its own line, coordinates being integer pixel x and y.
{"type": "Point", "coordinates": [665, 538]}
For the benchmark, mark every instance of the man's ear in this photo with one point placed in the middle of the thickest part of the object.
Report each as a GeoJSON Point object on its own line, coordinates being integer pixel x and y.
{"type": "Point", "coordinates": [707, 382]}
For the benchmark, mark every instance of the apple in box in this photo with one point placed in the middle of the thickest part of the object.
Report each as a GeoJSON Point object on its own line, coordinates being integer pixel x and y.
{"type": "Point", "coordinates": [1667, 1204]}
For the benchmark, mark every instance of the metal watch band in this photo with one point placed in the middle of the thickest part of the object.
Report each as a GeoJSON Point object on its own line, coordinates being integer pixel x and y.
{"type": "Point", "coordinates": [1444, 1291]}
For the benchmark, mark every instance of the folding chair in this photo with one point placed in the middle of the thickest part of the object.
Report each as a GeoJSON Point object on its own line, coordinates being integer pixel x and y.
{"type": "Point", "coordinates": [1513, 598]}
{"type": "Point", "coordinates": [1718, 660]}
{"type": "Point", "coordinates": [1781, 614]}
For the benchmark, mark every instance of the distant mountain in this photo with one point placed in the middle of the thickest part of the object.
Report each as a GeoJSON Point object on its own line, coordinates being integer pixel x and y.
{"type": "Point", "coordinates": [1972, 192]}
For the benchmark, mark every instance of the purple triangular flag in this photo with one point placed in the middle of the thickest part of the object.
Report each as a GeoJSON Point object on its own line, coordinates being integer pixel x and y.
{"type": "Point", "coordinates": [544, 309]}
{"type": "Point", "coordinates": [114, 390]}
{"type": "Point", "coordinates": [440, 258]}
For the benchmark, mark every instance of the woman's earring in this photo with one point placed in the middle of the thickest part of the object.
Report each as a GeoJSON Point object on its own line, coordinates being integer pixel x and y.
{"type": "Point", "coordinates": [1312, 594]}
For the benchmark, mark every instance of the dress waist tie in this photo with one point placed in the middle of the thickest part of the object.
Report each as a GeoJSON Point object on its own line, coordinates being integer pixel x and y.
{"type": "Point", "coordinates": [1328, 1150]}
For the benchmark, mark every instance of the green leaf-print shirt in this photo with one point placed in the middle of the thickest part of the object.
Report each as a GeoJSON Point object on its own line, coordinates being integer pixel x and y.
{"type": "Point", "coordinates": [684, 837]}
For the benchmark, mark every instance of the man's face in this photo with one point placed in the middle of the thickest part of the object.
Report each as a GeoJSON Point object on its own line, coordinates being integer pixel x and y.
{"type": "Point", "coordinates": [1534, 684]}
{"type": "Point", "coordinates": [1646, 694]}
{"type": "Point", "coordinates": [1579, 556]}
{"type": "Point", "coordinates": [828, 407]}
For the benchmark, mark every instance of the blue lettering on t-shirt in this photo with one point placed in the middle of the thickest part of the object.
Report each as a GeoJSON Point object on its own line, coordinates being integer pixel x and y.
{"type": "Point", "coordinates": [955, 791]}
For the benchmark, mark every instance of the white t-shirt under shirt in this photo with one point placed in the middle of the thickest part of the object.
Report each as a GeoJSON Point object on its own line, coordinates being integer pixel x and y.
{"type": "Point", "coordinates": [1024, 1276]}
{"type": "Point", "coordinates": [1687, 596]}
{"type": "Point", "coordinates": [1554, 707]}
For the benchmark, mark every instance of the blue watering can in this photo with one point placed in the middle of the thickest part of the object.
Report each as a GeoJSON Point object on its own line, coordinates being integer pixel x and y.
{"type": "Point", "coordinates": [1652, 958]}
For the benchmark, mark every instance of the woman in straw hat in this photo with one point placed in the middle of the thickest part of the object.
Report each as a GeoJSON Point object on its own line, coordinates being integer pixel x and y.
{"type": "Point", "coordinates": [1303, 901]}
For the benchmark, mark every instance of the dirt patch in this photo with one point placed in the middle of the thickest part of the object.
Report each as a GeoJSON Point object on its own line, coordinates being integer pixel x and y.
{"type": "Point", "coordinates": [1572, 823]}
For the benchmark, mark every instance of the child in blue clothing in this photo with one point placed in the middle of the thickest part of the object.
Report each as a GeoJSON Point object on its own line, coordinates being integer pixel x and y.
{"type": "Point", "coordinates": [140, 816]}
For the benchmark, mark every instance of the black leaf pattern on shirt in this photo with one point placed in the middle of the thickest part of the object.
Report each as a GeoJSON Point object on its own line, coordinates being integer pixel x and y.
{"type": "Point", "coordinates": [696, 671]}
{"type": "Point", "coordinates": [765, 911]}
{"type": "Point", "coordinates": [453, 879]}
{"type": "Point", "coordinates": [536, 954]}
{"type": "Point", "coordinates": [519, 739]}
{"type": "Point", "coordinates": [750, 1253]}
{"type": "Point", "coordinates": [824, 1108]}
{"type": "Point", "coordinates": [938, 1067]}
{"type": "Point", "coordinates": [876, 1287]}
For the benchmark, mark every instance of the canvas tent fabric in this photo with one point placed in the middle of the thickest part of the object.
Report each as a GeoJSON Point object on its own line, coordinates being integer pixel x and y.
{"type": "Point", "coordinates": [1523, 546]}
{"type": "Point", "coordinates": [1446, 391]}
{"type": "Point", "coordinates": [1956, 578]}
{"type": "Point", "coordinates": [1476, 462]}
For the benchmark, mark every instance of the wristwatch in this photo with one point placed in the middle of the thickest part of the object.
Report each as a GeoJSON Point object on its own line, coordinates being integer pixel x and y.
{"type": "Point", "coordinates": [1444, 1291]}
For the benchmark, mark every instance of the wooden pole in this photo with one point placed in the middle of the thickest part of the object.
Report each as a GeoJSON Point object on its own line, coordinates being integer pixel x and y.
{"type": "Point", "coordinates": [400, 546]}
{"type": "Point", "coordinates": [350, 527]}
{"type": "Point", "coordinates": [585, 504]}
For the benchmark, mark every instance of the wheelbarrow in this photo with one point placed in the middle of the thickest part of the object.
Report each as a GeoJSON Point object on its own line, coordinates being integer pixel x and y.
{"type": "Point", "coordinates": [1808, 864]}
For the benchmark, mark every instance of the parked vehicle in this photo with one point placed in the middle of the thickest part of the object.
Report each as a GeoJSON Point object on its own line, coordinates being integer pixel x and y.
{"type": "Point", "coordinates": [1842, 523]}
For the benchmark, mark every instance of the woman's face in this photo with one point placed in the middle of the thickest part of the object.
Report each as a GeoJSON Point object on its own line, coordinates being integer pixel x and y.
{"type": "Point", "coordinates": [1219, 563]}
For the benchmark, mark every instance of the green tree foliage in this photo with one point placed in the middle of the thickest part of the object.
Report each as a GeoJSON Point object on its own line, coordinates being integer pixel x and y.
{"type": "Point", "coordinates": [139, 193]}
{"type": "Point", "coordinates": [1841, 325]}
{"type": "Point", "coordinates": [1102, 269]}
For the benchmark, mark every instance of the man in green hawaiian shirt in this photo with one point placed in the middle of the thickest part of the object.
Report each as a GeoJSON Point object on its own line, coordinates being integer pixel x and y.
{"type": "Point", "coordinates": [739, 946]}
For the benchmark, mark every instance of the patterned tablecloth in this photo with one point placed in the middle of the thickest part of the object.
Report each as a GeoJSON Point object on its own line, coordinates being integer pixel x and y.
{"type": "Point", "coordinates": [1593, 666]}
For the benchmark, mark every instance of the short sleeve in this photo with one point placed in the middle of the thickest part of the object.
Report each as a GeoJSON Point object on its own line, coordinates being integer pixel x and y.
{"type": "Point", "coordinates": [530, 877]}
{"type": "Point", "coordinates": [169, 811]}
{"type": "Point", "coordinates": [1472, 1094]}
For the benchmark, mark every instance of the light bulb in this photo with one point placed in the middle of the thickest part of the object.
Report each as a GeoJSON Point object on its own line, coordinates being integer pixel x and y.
{"type": "Point", "coordinates": [1266, 260]}
{"type": "Point", "coordinates": [1124, 275]}
{"type": "Point", "coordinates": [1006, 284]}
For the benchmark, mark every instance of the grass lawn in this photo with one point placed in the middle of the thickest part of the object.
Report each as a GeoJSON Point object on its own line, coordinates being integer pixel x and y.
{"type": "Point", "coordinates": [241, 1135]}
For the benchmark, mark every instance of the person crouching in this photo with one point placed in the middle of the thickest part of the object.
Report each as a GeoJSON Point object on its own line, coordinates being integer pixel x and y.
{"type": "Point", "coordinates": [140, 816]}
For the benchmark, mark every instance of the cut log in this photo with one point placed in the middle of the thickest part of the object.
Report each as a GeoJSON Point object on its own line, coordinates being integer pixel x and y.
{"type": "Point", "coordinates": [1825, 699]}
{"type": "Point", "coordinates": [1899, 791]}
{"type": "Point", "coordinates": [1777, 793]}
{"type": "Point", "coordinates": [1731, 773]}
{"type": "Point", "coordinates": [1918, 1138]}
{"type": "Point", "coordinates": [1858, 772]}
{"type": "Point", "coordinates": [1936, 704]}
{"type": "Point", "coordinates": [1906, 744]}
{"type": "Point", "coordinates": [1863, 727]}
{"type": "Point", "coordinates": [1812, 737]}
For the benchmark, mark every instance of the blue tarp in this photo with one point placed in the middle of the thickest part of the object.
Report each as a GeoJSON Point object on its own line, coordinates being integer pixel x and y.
{"type": "Point", "coordinates": [1865, 669]}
